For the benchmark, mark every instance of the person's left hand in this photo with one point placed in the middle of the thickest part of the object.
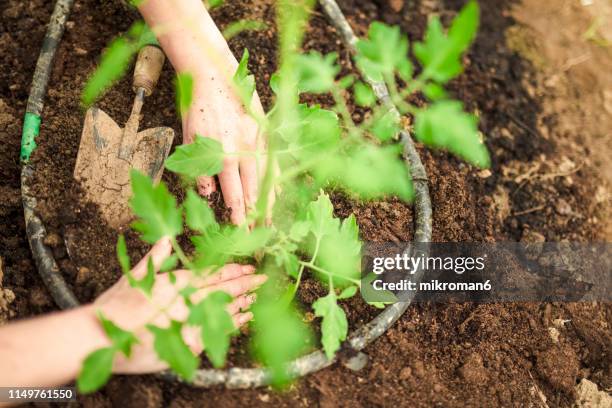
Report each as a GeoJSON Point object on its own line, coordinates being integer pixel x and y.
{"type": "Point", "coordinates": [131, 310]}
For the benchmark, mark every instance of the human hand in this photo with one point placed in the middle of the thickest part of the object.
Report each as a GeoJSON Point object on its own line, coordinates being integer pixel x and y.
{"type": "Point", "coordinates": [216, 112]}
{"type": "Point", "coordinates": [131, 310]}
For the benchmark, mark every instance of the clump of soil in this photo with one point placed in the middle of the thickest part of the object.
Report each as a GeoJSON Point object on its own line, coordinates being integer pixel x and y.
{"type": "Point", "coordinates": [541, 186]}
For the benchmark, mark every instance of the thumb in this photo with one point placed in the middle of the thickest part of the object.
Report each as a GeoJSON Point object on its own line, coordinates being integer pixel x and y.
{"type": "Point", "coordinates": [160, 251]}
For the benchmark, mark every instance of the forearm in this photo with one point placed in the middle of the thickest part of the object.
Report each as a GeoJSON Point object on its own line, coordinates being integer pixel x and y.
{"type": "Point", "coordinates": [49, 350]}
{"type": "Point", "coordinates": [189, 37]}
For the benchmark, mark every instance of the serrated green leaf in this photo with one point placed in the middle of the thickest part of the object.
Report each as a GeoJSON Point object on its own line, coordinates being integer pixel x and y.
{"type": "Point", "coordinates": [171, 348]}
{"type": "Point", "coordinates": [316, 73]}
{"type": "Point", "coordinates": [184, 92]}
{"type": "Point", "coordinates": [440, 54]}
{"type": "Point", "coordinates": [368, 170]}
{"type": "Point", "coordinates": [243, 81]}
{"type": "Point", "coordinates": [203, 157]}
{"type": "Point", "coordinates": [334, 326]}
{"type": "Point", "coordinates": [445, 125]}
{"type": "Point", "coordinates": [198, 215]}
{"type": "Point", "coordinates": [215, 248]}
{"type": "Point", "coordinates": [280, 334]}
{"type": "Point", "coordinates": [214, 3]}
{"type": "Point", "coordinates": [156, 208]}
{"type": "Point", "coordinates": [434, 91]}
{"type": "Point", "coordinates": [299, 230]}
{"type": "Point", "coordinates": [384, 52]}
{"type": "Point", "coordinates": [386, 125]}
{"type": "Point", "coordinates": [96, 370]}
{"type": "Point", "coordinates": [348, 292]}
{"type": "Point", "coordinates": [113, 64]}
{"type": "Point", "coordinates": [346, 81]}
{"type": "Point", "coordinates": [339, 249]}
{"type": "Point", "coordinates": [237, 27]}
{"type": "Point", "coordinates": [320, 216]}
{"type": "Point", "coordinates": [122, 255]}
{"type": "Point", "coordinates": [318, 132]}
{"type": "Point", "coordinates": [122, 340]}
{"type": "Point", "coordinates": [289, 262]}
{"type": "Point", "coordinates": [364, 95]}
{"type": "Point", "coordinates": [216, 325]}
{"type": "Point", "coordinates": [275, 82]}
{"type": "Point", "coordinates": [169, 264]}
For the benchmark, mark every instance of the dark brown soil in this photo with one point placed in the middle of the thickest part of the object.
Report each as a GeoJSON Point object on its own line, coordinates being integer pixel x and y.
{"type": "Point", "coordinates": [542, 184]}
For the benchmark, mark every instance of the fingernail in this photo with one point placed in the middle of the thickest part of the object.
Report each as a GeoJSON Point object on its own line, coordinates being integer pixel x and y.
{"type": "Point", "coordinates": [245, 317]}
{"type": "Point", "coordinates": [251, 298]}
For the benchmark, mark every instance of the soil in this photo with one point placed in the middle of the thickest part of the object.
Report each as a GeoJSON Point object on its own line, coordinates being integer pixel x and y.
{"type": "Point", "coordinates": [544, 99]}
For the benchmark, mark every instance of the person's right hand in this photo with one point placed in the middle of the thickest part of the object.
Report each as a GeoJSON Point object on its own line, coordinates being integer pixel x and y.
{"type": "Point", "coordinates": [131, 310]}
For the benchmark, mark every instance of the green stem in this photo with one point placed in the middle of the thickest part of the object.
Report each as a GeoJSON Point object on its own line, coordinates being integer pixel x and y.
{"type": "Point", "coordinates": [326, 272]}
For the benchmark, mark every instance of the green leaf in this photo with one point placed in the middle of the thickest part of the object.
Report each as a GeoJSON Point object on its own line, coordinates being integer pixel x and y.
{"type": "Point", "coordinates": [334, 327]}
{"type": "Point", "coordinates": [440, 54]}
{"type": "Point", "coordinates": [203, 157]}
{"type": "Point", "coordinates": [216, 324]}
{"type": "Point", "coordinates": [123, 340]}
{"type": "Point", "coordinates": [214, 3]}
{"type": "Point", "coordinates": [237, 27]}
{"type": "Point", "coordinates": [339, 248]}
{"type": "Point", "coordinates": [386, 124]}
{"type": "Point", "coordinates": [318, 132]}
{"type": "Point", "coordinates": [320, 216]}
{"type": "Point", "coordinates": [113, 64]}
{"type": "Point", "coordinates": [445, 125]}
{"type": "Point", "coordinates": [171, 348]}
{"type": "Point", "coordinates": [384, 52]}
{"type": "Point", "coordinates": [184, 92]}
{"type": "Point", "coordinates": [346, 81]}
{"type": "Point", "coordinates": [147, 37]}
{"type": "Point", "coordinates": [348, 292]}
{"type": "Point", "coordinates": [215, 248]}
{"type": "Point", "coordinates": [289, 262]}
{"type": "Point", "coordinates": [275, 82]}
{"type": "Point", "coordinates": [97, 369]}
{"type": "Point", "coordinates": [434, 91]}
{"type": "Point", "coordinates": [280, 334]}
{"type": "Point", "coordinates": [198, 215]}
{"type": "Point", "coordinates": [368, 170]}
{"type": "Point", "coordinates": [156, 208]}
{"type": "Point", "coordinates": [316, 73]}
{"type": "Point", "coordinates": [122, 255]}
{"type": "Point", "coordinates": [299, 229]}
{"type": "Point", "coordinates": [364, 95]}
{"type": "Point", "coordinates": [243, 81]}
{"type": "Point", "coordinates": [169, 264]}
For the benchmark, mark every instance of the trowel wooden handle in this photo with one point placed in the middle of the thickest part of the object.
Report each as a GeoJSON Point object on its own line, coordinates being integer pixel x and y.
{"type": "Point", "coordinates": [148, 67]}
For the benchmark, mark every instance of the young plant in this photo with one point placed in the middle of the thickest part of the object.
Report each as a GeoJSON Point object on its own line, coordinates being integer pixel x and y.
{"type": "Point", "coordinates": [314, 148]}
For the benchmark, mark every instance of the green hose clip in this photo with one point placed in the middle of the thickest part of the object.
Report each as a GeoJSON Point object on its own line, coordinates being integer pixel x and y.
{"type": "Point", "coordinates": [31, 128]}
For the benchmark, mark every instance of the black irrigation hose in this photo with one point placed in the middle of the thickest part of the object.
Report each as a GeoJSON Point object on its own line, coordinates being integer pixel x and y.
{"type": "Point", "coordinates": [47, 267]}
{"type": "Point", "coordinates": [233, 377]}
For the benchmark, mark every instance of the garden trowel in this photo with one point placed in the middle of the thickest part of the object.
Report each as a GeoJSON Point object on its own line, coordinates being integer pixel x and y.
{"type": "Point", "coordinates": [107, 152]}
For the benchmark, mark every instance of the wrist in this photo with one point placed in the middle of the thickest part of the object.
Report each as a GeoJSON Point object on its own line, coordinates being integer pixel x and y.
{"type": "Point", "coordinates": [92, 331]}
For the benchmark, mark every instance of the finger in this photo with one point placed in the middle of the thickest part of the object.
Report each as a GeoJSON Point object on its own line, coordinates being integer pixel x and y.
{"type": "Point", "coordinates": [160, 251]}
{"type": "Point", "coordinates": [242, 318]}
{"type": "Point", "coordinates": [231, 187]}
{"type": "Point", "coordinates": [206, 185]}
{"type": "Point", "coordinates": [234, 287]}
{"type": "Point", "coordinates": [241, 303]}
{"type": "Point", "coordinates": [228, 272]}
